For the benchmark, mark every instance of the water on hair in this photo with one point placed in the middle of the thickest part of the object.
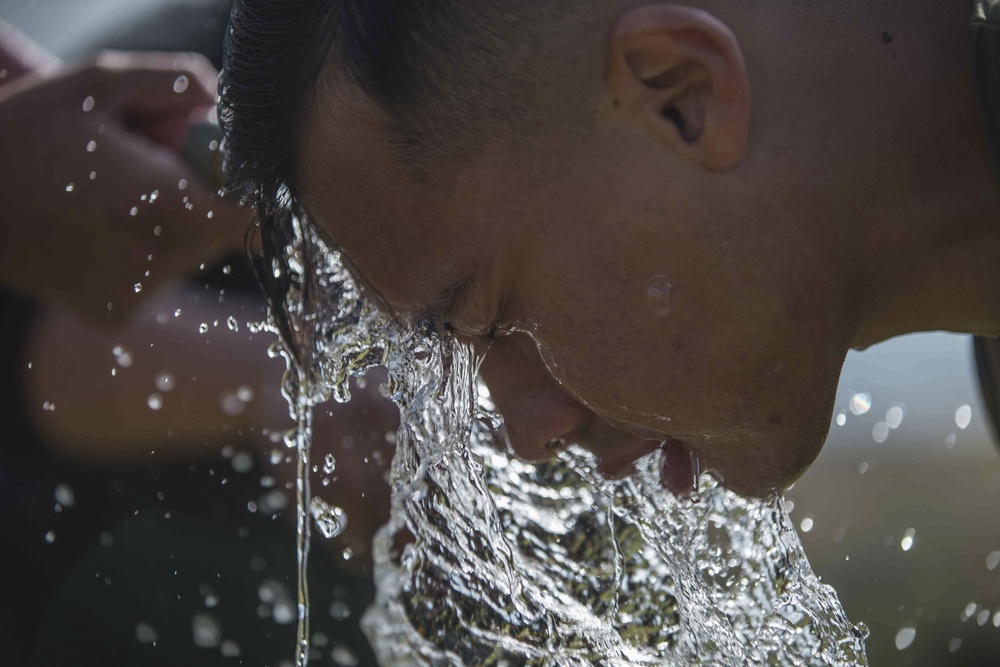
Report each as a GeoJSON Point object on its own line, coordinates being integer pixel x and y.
{"type": "Point", "coordinates": [488, 560]}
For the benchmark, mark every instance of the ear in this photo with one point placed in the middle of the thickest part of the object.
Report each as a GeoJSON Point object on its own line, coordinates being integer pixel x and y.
{"type": "Point", "coordinates": [679, 72]}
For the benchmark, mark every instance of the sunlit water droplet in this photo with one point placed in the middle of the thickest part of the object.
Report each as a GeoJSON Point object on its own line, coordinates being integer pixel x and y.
{"type": "Point", "coordinates": [963, 417]}
{"type": "Point", "coordinates": [91, 146]}
{"type": "Point", "coordinates": [181, 84]}
{"type": "Point", "coordinates": [164, 381]}
{"type": "Point", "coordinates": [122, 356]}
{"type": "Point", "coordinates": [64, 495]}
{"type": "Point", "coordinates": [880, 432]}
{"type": "Point", "coordinates": [894, 416]}
{"type": "Point", "coordinates": [329, 464]}
{"type": "Point", "coordinates": [232, 324]}
{"type": "Point", "coordinates": [69, 187]}
{"type": "Point", "coordinates": [145, 633]}
{"type": "Point", "coordinates": [88, 104]}
{"type": "Point", "coordinates": [137, 287]}
{"type": "Point", "coordinates": [330, 520]}
{"type": "Point", "coordinates": [909, 535]}
{"type": "Point", "coordinates": [203, 327]}
{"type": "Point", "coordinates": [155, 401]}
{"type": "Point", "coordinates": [861, 403]}
{"type": "Point", "coordinates": [905, 637]}
{"type": "Point", "coordinates": [206, 630]}
{"type": "Point", "coordinates": [992, 560]}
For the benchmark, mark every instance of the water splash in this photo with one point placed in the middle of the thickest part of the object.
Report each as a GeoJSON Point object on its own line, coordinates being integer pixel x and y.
{"type": "Point", "coordinates": [488, 560]}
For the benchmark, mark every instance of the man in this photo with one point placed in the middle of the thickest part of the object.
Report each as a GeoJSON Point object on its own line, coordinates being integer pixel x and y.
{"type": "Point", "coordinates": [670, 222]}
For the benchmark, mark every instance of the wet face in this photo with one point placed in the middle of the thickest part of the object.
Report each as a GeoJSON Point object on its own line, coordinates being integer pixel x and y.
{"type": "Point", "coordinates": [640, 286]}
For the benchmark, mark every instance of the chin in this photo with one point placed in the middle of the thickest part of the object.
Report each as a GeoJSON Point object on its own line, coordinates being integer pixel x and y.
{"type": "Point", "coordinates": [760, 465]}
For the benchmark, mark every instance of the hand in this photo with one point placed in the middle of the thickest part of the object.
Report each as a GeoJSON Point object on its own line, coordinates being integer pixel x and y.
{"type": "Point", "coordinates": [95, 208]}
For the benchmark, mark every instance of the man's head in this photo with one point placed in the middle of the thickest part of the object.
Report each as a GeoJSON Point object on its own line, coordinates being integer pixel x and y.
{"type": "Point", "coordinates": [588, 184]}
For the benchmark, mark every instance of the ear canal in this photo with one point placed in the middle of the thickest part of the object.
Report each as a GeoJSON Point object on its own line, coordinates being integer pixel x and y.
{"type": "Point", "coordinates": [689, 131]}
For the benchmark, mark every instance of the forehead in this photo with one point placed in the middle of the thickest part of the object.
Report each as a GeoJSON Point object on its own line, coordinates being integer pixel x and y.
{"type": "Point", "coordinates": [407, 238]}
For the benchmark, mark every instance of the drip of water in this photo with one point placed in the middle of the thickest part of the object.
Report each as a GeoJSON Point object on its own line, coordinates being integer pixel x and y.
{"type": "Point", "coordinates": [488, 560]}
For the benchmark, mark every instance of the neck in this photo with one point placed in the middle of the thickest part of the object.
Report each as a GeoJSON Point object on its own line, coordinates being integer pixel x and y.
{"type": "Point", "coordinates": [932, 252]}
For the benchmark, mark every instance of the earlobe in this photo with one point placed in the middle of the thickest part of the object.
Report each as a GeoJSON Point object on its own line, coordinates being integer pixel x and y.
{"type": "Point", "coordinates": [680, 72]}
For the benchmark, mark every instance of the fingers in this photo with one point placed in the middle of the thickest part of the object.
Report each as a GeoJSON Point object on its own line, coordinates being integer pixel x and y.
{"type": "Point", "coordinates": [141, 85]}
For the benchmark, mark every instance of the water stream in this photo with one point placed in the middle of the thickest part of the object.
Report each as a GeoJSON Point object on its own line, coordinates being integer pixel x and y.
{"type": "Point", "coordinates": [488, 560]}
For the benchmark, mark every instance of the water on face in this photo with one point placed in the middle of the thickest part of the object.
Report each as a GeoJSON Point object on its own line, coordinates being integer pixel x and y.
{"type": "Point", "coordinates": [488, 560]}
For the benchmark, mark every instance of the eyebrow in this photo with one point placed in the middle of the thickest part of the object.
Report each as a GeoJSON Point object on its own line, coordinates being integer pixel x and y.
{"type": "Point", "coordinates": [447, 303]}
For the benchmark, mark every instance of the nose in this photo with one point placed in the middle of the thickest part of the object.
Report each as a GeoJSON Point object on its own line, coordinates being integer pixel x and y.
{"type": "Point", "coordinates": [540, 417]}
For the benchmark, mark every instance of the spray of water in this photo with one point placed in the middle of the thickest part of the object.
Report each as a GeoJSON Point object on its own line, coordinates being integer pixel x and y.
{"type": "Point", "coordinates": [488, 560]}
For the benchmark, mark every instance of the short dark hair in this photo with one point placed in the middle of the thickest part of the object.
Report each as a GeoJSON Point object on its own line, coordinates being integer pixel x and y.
{"type": "Point", "coordinates": [448, 76]}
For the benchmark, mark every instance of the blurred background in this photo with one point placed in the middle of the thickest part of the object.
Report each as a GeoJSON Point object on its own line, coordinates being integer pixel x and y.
{"type": "Point", "coordinates": [105, 544]}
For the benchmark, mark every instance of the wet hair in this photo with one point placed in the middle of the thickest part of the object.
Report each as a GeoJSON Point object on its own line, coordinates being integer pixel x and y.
{"type": "Point", "coordinates": [447, 76]}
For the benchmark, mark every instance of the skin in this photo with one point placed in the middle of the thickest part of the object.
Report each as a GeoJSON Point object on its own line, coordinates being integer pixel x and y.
{"type": "Point", "coordinates": [805, 189]}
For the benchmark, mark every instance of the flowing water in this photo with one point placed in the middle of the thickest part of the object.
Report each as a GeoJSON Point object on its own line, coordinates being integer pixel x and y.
{"type": "Point", "coordinates": [488, 560]}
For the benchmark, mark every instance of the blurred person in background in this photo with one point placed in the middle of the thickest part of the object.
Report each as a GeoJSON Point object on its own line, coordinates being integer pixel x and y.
{"type": "Point", "coordinates": [144, 414]}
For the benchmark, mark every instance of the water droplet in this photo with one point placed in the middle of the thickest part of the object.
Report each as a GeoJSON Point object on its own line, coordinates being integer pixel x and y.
{"type": "Point", "coordinates": [658, 291]}
{"type": "Point", "coordinates": [330, 519]}
{"type": "Point", "coordinates": [232, 324]}
{"type": "Point", "coordinates": [880, 432]}
{"type": "Point", "coordinates": [64, 495]}
{"type": "Point", "coordinates": [242, 462]}
{"type": "Point", "coordinates": [88, 104]}
{"type": "Point", "coordinates": [210, 215]}
{"type": "Point", "coordinates": [134, 211]}
{"type": "Point", "coordinates": [343, 656]}
{"type": "Point", "coordinates": [50, 536]}
{"type": "Point", "coordinates": [227, 269]}
{"type": "Point", "coordinates": [137, 287]}
{"type": "Point", "coordinates": [807, 523]}
{"type": "Point", "coordinates": [230, 649]}
{"type": "Point", "coordinates": [950, 440]}
{"type": "Point", "coordinates": [863, 467]}
{"type": "Point", "coordinates": [180, 84]}
{"type": "Point", "coordinates": [963, 417]}
{"type": "Point", "coordinates": [244, 393]}
{"type": "Point", "coordinates": [231, 404]}
{"type": "Point", "coordinates": [69, 187]}
{"type": "Point", "coordinates": [493, 420]}
{"type": "Point", "coordinates": [153, 196]}
{"type": "Point", "coordinates": [983, 617]}
{"type": "Point", "coordinates": [276, 456]}
{"type": "Point", "coordinates": [177, 313]}
{"type": "Point", "coordinates": [164, 381]}
{"type": "Point", "coordinates": [122, 356]}
{"type": "Point", "coordinates": [203, 327]}
{"type": "Point", "coordinates": [894, 416]}
{"type": "Point", "coordinates": [841, 419]}
{"type": "Point", "coordinates": [155, 401]}
{"type": "Point", "coordinates": [992, 560]}
{"type": "Point", "coordinates": [861, 403]}
{"type": "Point", "coordinates": [905, 637]}
{"type": "Point", "coordinates": [909, 536]}
{"type": "Point", "coordinates": [145, 633]}
{"type": "Point", "coordinates": [330, 464]}
{"type": "Point", "coordinates": [206, 630]}
{"type": "Point", "coordinates": [157, 230]}
{"type": "Point", "coordinates": [91, 146]}
{"type": "Point", "coordinates": [93, 175]}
